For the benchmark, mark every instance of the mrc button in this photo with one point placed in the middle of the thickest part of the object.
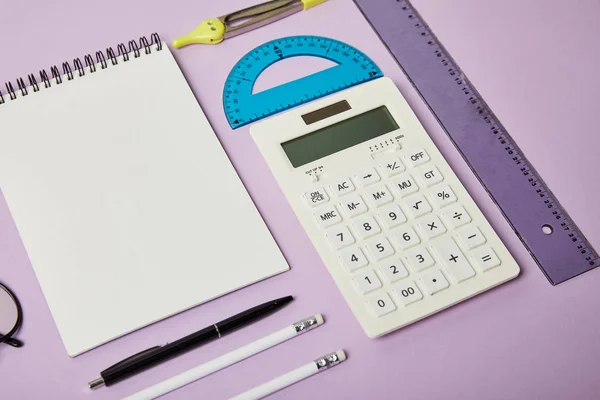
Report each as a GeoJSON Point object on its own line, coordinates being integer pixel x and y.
{"type": "Point", "coordinates": [417, 157]}
{"type": "Point", "coordinates": [327, 216]}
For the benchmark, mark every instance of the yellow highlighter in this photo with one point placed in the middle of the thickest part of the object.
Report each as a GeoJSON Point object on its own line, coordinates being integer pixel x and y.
{"type": "Point", "coordinates": [215, 30]}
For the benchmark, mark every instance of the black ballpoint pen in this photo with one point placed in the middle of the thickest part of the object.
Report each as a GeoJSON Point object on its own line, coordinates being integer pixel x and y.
{"type": "Point", "coordinates": [155, 355]}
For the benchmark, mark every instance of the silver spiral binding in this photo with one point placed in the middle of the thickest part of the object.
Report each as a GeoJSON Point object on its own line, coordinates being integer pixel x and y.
{"type": "Point", "coordinates": [76, 68]}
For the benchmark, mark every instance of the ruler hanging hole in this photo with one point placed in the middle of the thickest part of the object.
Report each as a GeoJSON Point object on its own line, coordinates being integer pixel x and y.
{"type": "Point", "coordinates": [547, 229]}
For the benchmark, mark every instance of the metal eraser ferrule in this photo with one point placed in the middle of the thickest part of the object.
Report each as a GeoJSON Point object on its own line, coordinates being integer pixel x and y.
{"type": "Point", "coordinates": [306, 324]}
{"type": "Point", "coordinates": [327, 361]}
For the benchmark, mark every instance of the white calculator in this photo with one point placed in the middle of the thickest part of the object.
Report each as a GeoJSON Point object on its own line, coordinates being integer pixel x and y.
{"type": "Point", "coordinates": [394, 226]}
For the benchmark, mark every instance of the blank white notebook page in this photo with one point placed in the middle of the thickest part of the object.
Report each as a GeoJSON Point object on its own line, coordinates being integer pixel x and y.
{"type": "Point", "coordinates": [127, 205]}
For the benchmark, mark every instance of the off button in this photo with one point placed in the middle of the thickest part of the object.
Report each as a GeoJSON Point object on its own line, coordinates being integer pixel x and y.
{"type": "Point", "coordinates": [417, 157]}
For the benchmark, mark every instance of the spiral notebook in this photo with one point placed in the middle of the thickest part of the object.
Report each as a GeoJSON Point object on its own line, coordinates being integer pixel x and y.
{"type": "Point", "coordinates": [125, 201]}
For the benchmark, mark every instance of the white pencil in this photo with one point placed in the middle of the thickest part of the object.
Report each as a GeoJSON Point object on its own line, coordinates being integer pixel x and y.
{"type": "Point", "coordinates": [305, 371]}
{"type": "Point", "coordinates": [228, 359]}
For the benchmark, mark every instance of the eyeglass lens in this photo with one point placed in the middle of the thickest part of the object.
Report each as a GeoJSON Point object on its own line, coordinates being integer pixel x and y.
{"type": "Point", "coordinates": [8, 313]}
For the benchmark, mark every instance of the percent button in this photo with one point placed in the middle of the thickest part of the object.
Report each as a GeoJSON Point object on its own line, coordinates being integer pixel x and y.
{"type": "Point", "coordinates": [443, 195]}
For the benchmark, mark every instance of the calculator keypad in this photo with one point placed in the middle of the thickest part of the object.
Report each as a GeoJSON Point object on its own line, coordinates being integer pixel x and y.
{"type": "Point", "coordinates": [393, 224]}
{"type": "Point", "coordinates": [401, 232]}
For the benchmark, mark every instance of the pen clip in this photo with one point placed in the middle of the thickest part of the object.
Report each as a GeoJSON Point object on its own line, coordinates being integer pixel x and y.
{"type": "Point", "coordinates": [142, 353]}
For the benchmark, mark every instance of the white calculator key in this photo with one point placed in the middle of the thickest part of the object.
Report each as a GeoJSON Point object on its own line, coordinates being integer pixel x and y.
{"type": "Point", "coordinates": [471, 237]}
{"type": "Point", "coordinates": [367, 177]}
{"type": "Point", "coordinates": [353, 206]}
{"type": "Point", "coordinates": [353, 258]}
{"type": "Point", "coordinates": [417, 157]}
{"type": "Point", "coordinates": [418, 205]}
{"type": "Point", "coordinates": [456, 216]}
{"type": "Point", "coordinates": [419, 258]}
{"type": "Point", "coordinates": [433, 280]}
{"type": "Point", "coordinates": [340, 237]}
{"type": "Point", "coordinates": [379, 195]}
{"type": "Point", "coordinates": [408, 292]}
{"type": "Point", "coordinates": [327, 216]}
{"type": "Point", "coordinates": [404, 185]}
{"type": "Point", "coordinates": [393, 269]}
{"type": "Point", "coordinates": [442, 196]}
{"type": "Point", "coordinates": [431, 226]}
{"type": "Point", "coordinates": [406, 237]}
{"type": "Point", "coordinates": [380, 248]}
{"type": "Point", "coordinates": [381, 304]}
{"type": "Point", "coordinates": [366, 281]}
{"type": "Point", "coordinates": [430, 175]}
{"type": "Point", "coordinates": [453, 259]}
{"type": "Point", "coordinates": [366, 226]}
{"type": "Point", "coordinates": [316, 197]}
{"type": "Point", "coordinates": [392, 167]}
{"type": "Point", "coordinates": [486, 258]}
{"type": "Point", "coordinates": [392, 215]}
{"type": "Point", "coordinates": [342, 187]}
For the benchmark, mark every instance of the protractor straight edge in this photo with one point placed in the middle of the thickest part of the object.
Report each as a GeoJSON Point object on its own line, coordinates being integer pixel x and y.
{"type": "Point", "coordinates": [541, 223]}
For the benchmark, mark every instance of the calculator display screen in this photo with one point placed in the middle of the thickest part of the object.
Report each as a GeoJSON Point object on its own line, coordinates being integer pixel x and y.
{"type": "Point", "coordinates": [340, 136]}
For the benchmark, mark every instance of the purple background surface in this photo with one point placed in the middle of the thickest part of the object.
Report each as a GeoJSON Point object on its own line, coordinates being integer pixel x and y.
{"type": "Point", "coordinates": [535, 64]}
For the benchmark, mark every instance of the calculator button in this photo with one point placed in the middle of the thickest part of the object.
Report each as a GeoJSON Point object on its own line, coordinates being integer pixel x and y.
{"type": "Point", "coordinates": [366, 282]}
{"type": "Point", "coordinates": [353, 206]}
{"type": "Point", "coordinates": [453, 259]}
{"type": "Point", "coordinates": [406, 237]}
{"type": "Point", "coordinates": [443, 196]}
{"type": "Point", "coordinates": [456, 216]}
{"type": "Point", "coordinates": [407, 292]}
{"type": "Point", "coordinates": [379, 195]}
{"type": "Point", "coordinates": [419, 258]}
{"type": "Point", "coordinates": [404, 185]}
{"type": "Point", "coordinates": [392, 167]}
{"type": "Point", "coordinates": [418, 205]}
{"type": "Point", "coordinates": [433, 281]}
{"type": "Point", "coordinates": [392, 215]}
{"type": "Point", "coordinates": [316, 197]}
{"type": "Point", "coordinates": [380, 248]}
{"type": "Point", "coordinates": [366, 226]}
{"type": "Point", "coordinates": [342, 187]}
{"type": "Point", "coordinates": [471, 237]}
{"type": "Point", "coordinates": [393, 269]}
{"type": "Point", "coordinates": [340, 237]}
{"type": "Point", "coordinates": [417, 157]}
{"type": "Point", "coordinates": [367, 177]}
{"type": "Point", "coordinates": [431, 226]}
{"type": "Point", "coordinates": [353, 258]}
{"type": "Point", "coordinates": [486, 258]}
{"type": "Point", "coordinates": [381, 304]}
{"type": "Point", "coordinates": [328, 216]}
{"type": "Point", "coordinates": [430, 175]}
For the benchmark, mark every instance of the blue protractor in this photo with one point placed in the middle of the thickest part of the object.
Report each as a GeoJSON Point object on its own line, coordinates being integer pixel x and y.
{"type": "Point", "coordinates": [242, 107]}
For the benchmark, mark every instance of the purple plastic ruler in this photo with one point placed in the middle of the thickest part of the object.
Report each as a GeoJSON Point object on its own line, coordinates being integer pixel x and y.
{"type": "Point", "coordinates": [544, 227]}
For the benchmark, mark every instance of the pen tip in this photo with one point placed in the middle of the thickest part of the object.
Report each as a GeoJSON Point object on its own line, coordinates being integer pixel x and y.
{"type": "Point", "coordinates": [284, 300]}
{"type": "Point", "coordinates": [96, 383]}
